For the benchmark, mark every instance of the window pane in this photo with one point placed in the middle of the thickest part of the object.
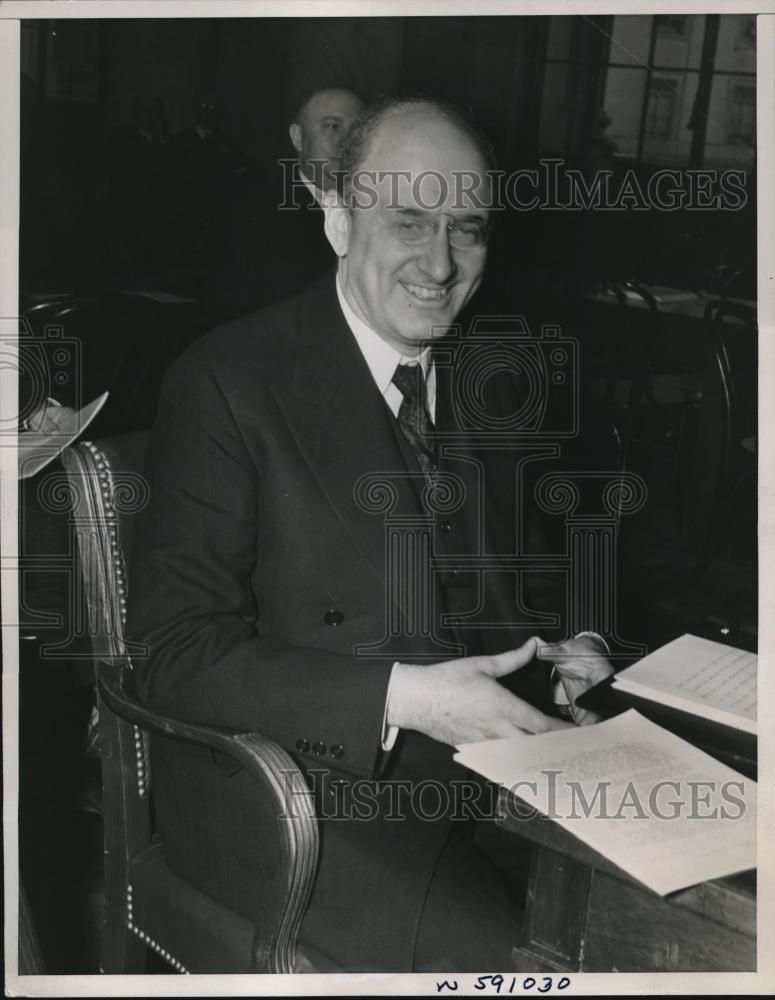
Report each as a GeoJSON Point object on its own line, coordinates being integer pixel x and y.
{"type": "Point", "coordinates": [560, 31]}
{"type": "Point", "coordinates": [660, 113]}
{"type": "Point", "coordinates": [623, 99]}
{"type": "Point", "coordinates": [679, 40]}
{"type": "Point", "coordinates": [630, 40]}
{"type": "Point", "coordinates": [736, 48]}
{"type": "Point", "coordinates": [669, 107]}
{"type": "Point", "coordinates": [731, 135]}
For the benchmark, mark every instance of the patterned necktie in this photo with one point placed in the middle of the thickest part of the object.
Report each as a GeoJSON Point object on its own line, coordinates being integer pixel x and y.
{"type": "Point", "coordinates": [414, 418]}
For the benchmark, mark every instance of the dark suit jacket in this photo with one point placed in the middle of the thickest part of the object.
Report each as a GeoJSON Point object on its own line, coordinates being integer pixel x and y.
{"type": "Point", "coordinates": [258, 253]}
{"type": "Point", "coordinates": [253, 548]}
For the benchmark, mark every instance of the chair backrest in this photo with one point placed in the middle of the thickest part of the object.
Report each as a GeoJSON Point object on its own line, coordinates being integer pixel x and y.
{"type": "Point", "coordinates": [732, 391]}
{"type": "Point", "coordinates": [732, 329]}
{"type": "Point", "coordinates": [107, 487]}
{"type": "Point", "coordinates": [726, 415]}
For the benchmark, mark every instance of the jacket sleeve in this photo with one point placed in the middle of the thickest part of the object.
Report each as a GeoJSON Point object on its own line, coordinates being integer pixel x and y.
{"type": "Point", "coordinates": [192, 604]}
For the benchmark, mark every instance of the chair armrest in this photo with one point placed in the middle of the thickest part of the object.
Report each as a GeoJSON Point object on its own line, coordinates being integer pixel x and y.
{"type": "Point", "coordinates": [280, 781]}
{"type": "Point", "coordinates": [253, 751]}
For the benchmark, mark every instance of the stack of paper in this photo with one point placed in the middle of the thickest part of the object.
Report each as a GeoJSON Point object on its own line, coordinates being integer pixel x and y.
{"type": "Point", "coordinates": [695, 675]}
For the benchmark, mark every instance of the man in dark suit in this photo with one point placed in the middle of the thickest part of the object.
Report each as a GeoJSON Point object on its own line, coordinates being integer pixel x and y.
{"type": "Point", "coordinates": [267, 237]}
{"type": "Point", "coordinates": [262, 586]}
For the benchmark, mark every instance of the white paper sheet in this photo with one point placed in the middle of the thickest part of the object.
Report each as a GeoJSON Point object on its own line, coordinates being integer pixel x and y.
{"type": "Point", "coordinates": [696, 675]}
{"type": "Point", "coordinates": [36, 449]}
{"type": "Point", "coordinates": [662, 810]}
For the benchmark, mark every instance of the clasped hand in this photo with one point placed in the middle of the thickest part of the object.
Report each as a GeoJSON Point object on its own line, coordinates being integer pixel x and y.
{"type": "Point", "coordinates": [460, 701]}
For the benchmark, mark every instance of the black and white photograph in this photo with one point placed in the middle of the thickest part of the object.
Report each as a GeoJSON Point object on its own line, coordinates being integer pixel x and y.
{"type": "Point", "coordinates": [385, 533]}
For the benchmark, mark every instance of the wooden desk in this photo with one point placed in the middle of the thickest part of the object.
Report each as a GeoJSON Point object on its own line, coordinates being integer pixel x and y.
{"type": "Point", "coordinates": [584, 914]}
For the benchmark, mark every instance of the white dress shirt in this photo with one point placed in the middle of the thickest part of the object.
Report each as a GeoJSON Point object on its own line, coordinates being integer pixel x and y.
{"type": "Point", "coordinates": [383, 359]}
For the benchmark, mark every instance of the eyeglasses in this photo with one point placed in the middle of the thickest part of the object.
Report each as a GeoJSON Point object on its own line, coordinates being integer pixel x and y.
{"type": "Point", "coordinates": [416, 229]}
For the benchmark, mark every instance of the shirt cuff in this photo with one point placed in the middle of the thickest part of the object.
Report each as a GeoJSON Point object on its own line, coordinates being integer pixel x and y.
{"type": "Point", "coordinates": [595, 635]}
{"type": "Point", "coordinates": [389, 733]}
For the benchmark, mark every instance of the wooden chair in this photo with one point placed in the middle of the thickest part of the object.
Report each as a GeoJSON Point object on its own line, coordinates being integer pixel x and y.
{"type": "Point", "coordinates": [624, 368]}
{"type": "Point", "coordinates": [147, 905]}
{"type": "Point", "coordinates": [732, 400]}
{"type": "Point", "coordinates": [652, 389]}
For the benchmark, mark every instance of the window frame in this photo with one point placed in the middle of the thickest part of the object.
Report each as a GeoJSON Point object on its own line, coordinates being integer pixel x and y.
{"type": "Point", "coordinates": [705, 75]}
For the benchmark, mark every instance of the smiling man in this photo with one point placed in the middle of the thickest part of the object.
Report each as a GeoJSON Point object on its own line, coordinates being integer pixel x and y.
{"type": "Point", "coordinates": [260, 581]}
{"type": "Point", "coordinates": [412, 242]}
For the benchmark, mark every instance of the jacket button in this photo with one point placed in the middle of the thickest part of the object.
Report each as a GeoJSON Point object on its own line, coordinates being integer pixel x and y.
{"type": "Point", "coordinates": [337, 750]}
{"type": "Point", "coordinates": [333, 617]}
{"type": "Point", "coordinates": [302, 746]}
{"type": "Point", "coordinates": [446, 527]}
{"type": "Point", "coordinates": [319, 749]}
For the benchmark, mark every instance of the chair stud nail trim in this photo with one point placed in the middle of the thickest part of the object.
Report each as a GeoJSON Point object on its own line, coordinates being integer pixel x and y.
{"type": "Point", "coordinates": [140, 761]}
{"type": "Point", "coordinates": [105, 481]}
{"type": "Point", "coordinates": [147, 939]}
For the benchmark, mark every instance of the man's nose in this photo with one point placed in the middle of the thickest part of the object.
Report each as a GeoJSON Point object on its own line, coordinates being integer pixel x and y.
{"type": "Point", "coordinates": [438, 261]}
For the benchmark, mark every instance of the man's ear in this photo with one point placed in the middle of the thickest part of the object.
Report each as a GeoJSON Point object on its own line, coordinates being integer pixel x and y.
{"type": "Point", "coordinates": [337, 227]}
{"type": "Point", "coordinates": [294, 132]}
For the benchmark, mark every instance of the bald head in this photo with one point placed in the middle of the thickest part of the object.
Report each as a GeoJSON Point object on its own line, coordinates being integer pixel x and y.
{"type": "Point", "coordinates": [410, 236]}
{"type": "Point", "coordinates": [403, 115]}
{"type": "Point", "coordinates": [319, 130]}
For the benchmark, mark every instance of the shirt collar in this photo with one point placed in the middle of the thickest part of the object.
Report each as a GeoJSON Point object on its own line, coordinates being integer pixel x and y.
{"type": "Point", "coordinates": [323, 199]}
{"type": "Point", "coordinates": [381, 357]}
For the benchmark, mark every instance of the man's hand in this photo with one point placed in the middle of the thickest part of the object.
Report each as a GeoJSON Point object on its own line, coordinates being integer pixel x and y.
{"type": "Point", "coordinates": [460, 701]}
{"type": "Point", "coordinates": [580, 663]}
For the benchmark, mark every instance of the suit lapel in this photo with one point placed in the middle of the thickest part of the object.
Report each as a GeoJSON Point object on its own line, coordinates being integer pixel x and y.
{"type": "Point", "coordinates": [342, 423]}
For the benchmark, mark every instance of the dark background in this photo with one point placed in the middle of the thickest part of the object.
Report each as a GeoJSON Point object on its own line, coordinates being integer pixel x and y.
{"type": "Point", "coordinates": [81, 80]}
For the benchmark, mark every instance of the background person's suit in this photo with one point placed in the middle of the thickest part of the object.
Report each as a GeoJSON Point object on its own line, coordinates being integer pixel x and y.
{"type": "Point", "coordinates": [256, 572]}
{"type": "Point", "coordinates": [258, 252]}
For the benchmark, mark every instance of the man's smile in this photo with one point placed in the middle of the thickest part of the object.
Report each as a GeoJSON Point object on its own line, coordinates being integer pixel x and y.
{"type": "Point", "coordinates": [425, 293]}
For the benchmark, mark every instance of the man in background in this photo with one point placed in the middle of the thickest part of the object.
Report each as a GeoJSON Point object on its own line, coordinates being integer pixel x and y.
{"type": "Point", "coordinates": [268, 239]}
{"type": "Point", "coordinates": [317, 131]}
